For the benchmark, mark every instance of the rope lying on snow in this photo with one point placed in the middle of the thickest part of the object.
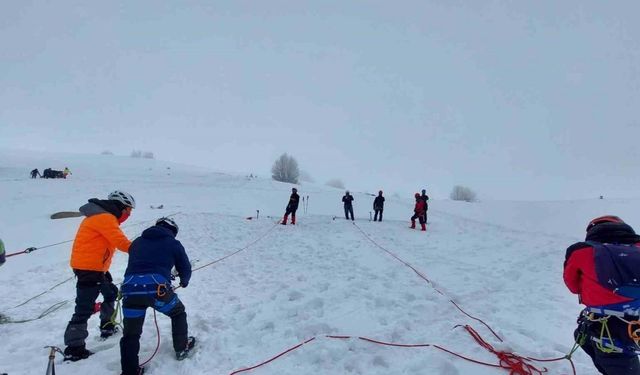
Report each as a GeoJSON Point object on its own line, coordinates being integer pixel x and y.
{"type": "Point", "coordinates": [53, 308]}
{"type": "Point", "coordinates": [422, 276]}
{"type": "Point", "coordinates": [517, 365]}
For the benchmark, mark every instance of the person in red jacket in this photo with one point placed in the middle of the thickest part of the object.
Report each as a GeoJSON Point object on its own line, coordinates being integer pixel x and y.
{"type": "Point", "coordinates": [419, 211]}
{"type": "Point", "coordinates": [585, 274]}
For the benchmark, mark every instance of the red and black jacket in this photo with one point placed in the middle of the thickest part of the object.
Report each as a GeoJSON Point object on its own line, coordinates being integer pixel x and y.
{"type": "Point", "coordinates": [579, 266]}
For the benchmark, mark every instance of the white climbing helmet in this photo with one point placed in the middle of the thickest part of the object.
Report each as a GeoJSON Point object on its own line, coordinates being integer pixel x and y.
{"type": "Point", "coordinates": [167, 221]}
{"type": "Point", "coordinates": [122, 197]}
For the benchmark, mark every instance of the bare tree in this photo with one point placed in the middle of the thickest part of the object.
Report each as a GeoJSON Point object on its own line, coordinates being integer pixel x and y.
{"type": "Point", "coordinates": [336, 183]}
{"type": "Point", "coordinates": [285, 169]}
{"type": "Point", "coordinates": [462, 193]}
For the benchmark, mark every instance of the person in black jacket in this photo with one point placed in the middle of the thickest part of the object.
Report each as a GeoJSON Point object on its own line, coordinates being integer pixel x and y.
{"type": "Point", "coordinates": [292, 207]}
{"type": "Point", "coordinates": [425, 198]}
{"type": "Point", "coordinates": [147, 283]}
{"type": "Point", "coordinates": [378, 206]}
{"type": "Point", "coordinates": [348, 205]}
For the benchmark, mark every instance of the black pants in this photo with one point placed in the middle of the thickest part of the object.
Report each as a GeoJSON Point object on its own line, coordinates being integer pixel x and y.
{"type": "Point", "coordinates": [375, 217]}
{"type": "Point", "coordinates": [348, 210]}
{"type": "Point", "coordinates": [419, 217]}
{"type": "Point", "coordinates": [425, 217]}
{"type": "Point", "coordinates": [610, 363]}
{"type": "Point", "coordinates": [89, 285]}
{"type": "Point", "coordinates": [134, 309]}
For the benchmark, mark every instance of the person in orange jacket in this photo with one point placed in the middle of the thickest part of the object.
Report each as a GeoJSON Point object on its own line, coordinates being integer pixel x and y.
{"type": "Point", "coordinates": [98, 236]}
{"type": "Point", "coordinates": [419, 211]}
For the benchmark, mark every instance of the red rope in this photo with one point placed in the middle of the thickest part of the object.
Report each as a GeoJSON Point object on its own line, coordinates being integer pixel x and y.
{"type": "Point", "coordinates": [516, 364]}
{"type": "Point", "coordinates": [155, 320]}
{"type": "Point", "coordinates": [393, 344]}
{"type": "Point", "coordinates": [274, 358]}
{"type": "Point", "coordinates": [422, 276]}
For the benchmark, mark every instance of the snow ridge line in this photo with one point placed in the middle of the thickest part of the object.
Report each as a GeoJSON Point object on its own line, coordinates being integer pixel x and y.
{"type": "Point", "coordinates": [516, 364]}
{"type": "Point", "coordinates": [422, 276]}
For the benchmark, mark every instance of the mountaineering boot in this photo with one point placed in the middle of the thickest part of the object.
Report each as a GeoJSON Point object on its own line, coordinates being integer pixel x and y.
{"type": "Point", "coordinates": [107, 332]}
{"type": "Point", "coordinates": [76, 353]}
{"type": "Point", "coordinates": [413, 224]}
{"type": "Point", "coordinates": [284, 220]}
{"type": "Point", "coordinates": [424, 227]}
{"type": "Point", "coordinates": [184, 353]}
{"type": "Point", "coordinates": [140, 371]}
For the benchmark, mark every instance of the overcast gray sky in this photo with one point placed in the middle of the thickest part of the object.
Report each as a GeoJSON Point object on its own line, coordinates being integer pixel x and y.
{"type": "Point", "coordinates": [518, 100]}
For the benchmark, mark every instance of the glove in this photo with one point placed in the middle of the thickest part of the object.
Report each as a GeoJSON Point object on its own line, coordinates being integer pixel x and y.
{"type": "Point", "coordinates": [184, 284]}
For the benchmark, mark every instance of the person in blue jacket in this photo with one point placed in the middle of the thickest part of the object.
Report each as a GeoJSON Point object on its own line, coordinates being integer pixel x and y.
{"type": "Point", "coordinates": [147, 283]}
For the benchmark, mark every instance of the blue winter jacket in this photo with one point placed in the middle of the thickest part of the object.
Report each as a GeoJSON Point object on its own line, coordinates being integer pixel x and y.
{"type": "Point", "coordinates": [156, 251]}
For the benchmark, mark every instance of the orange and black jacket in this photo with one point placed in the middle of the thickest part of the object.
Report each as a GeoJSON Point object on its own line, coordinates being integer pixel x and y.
{"type": "Point", "coordinates": [98, 237]}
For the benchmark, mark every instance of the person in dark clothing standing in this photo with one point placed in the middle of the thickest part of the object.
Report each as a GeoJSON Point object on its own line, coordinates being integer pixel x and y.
{"type": "Point", "coordinates": [418, 213]}
{"type": "Point", "coordinates": [147, 283]}
{"type": "Point", "coordinates": [292, 207]}
{"type": "Point", "coordinates": [2, 255]}
{"type": "Point", "coordinates": [98, 236]}
{"type": "Point", "coordinates": [600, 270]}
{"type": "Point", "coordinates": [425, 198]}
{"type": "Point", "coordinates": [378, 206]}
{"type": "Point", "coordinates": [35, 173]}
{"type": "Point", "coordinates": [348, 205]}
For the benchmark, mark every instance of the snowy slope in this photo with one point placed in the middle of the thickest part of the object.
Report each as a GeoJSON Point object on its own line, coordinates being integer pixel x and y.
{"type": "Point", "coordinates": [500, 261]}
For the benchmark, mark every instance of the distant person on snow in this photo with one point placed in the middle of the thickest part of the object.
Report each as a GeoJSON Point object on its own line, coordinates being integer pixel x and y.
{"type": "Point", "coordinates": [603, 271]}
{"type": "Point", "coordinates": [2, 255]}
{"type": "Point", "coordinates": [66, 172]}
{"type": "Point", "coordinates": [348, 205]}
{"type": "Point", "coordinates": [292, 207]}
{"type": "Point", "coordinates": [425, 198]}
{"type": "Point", "coordinates": [3, 317]}
{"type": "Point", "coordinates": [97, 238]}
{"type": "Point", "coordinates": [147, 283]}
{"type": "Point", "coordinates": [35, 173]}
{"type": "Point", "coordinates": [378, 206]}
{"type": "Point", "coordinates": [418, 213]}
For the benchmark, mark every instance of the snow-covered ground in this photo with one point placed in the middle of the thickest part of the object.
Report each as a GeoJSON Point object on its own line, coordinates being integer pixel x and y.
{"type": "Point", "coordinates": [500, 261]}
